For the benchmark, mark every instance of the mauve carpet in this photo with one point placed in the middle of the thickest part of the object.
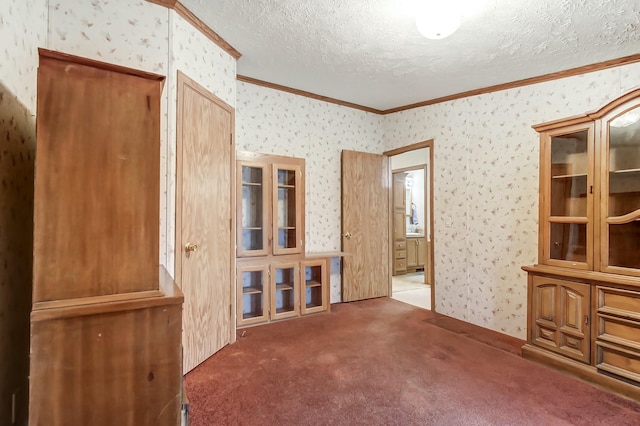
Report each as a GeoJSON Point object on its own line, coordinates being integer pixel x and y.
{"type": "Point", "coordinates": [382, 362]}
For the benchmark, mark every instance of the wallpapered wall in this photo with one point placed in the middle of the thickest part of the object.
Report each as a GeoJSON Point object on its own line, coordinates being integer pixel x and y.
{"type": "Point", "coordinates": [129, 33]}
{"type": "Point", "coordinates": [201, 60]}
{"type": "Point", "coordinates": [486, 186]}
{"type": "Point", "coordinates": [145, 36]}
{"type": "Point", "coordinates": [18, 59]}
{"type": "Point", "coordinates": [274, 122]}
{"type": "Point", "coordinates": [136, 34]}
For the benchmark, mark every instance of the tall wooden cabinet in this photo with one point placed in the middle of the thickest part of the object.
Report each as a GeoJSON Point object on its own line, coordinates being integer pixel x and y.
{"type": "Point", "coordinates": [584, 295]}
{"type": "Point", "coordinates": [106, 318]}
{"type": "Point", "coordinates": [275, 279]}
{"type": "Point", "coordinates": [399, 224]}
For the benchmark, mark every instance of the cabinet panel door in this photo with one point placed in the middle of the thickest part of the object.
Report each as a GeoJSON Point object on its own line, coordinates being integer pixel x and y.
{"type": "Point", "coordinates": [561, 317]}
{"type": "Point", "coordinates": [620, 191]}
{"type": "Point", "coordinates": [566, 202]}
{"type": "Point", "coordinates": [575, 335]}
{"type": "Point", "coordinates": [314, 285]}
{"type": "Point", "coordinates": [253, 294]}
{"type": "Point", "coordinates": [252, 209]}
{"type": "Point", "coordinates": [288, 209]}
{"type": "Point", "coordinates": [285, 290]}
{"type": "Point", "coordinates": [422, 252]}
{"type": "Point", "coordinates": [412, 253]}
{"type": "Point", "coordinates": [544, 330]}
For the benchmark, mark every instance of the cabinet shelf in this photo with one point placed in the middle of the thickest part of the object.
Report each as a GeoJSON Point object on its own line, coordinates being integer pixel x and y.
{"type": "Point", "coordinates": [251, 183]}
{"type": "Point", "coordinates": [284, 287]}
{"type": "Point", "coordinates": [570, 176]}
{"type": "Point", "coordinates": [313, 283]}
{"type": "Point", "coordinates": [251, 290]}
{"type": "Point", "coordinates": [625, 171]}
{"type": "Point", "coordinates": [286, 186]}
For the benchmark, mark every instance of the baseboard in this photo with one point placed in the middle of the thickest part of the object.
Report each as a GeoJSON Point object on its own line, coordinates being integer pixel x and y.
{"type": "Point", "coordinates": [581, 371]}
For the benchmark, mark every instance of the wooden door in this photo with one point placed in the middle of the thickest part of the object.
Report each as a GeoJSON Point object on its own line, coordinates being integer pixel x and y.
{"type": "Point", "coordinates": [204, 224]}
{"type": "Point", "coordinates": [561, 316]}
{"type": "Point", "coordinates": [365, 226]}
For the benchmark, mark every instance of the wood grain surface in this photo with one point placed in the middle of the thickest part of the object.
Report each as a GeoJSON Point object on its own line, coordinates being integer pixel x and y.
{"type": "Point", "coordinates": [97, 182]}
{"type": "Point", "coordinates": [116, 368]}
{"type": "Point", "coordinates": [205, 179]}
{"type": "Point", "coordinates": [365, 215]}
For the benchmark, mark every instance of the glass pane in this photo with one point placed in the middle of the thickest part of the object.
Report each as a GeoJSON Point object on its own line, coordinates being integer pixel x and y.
{"type": "Point", "coordinates": [568, 242]}
{"type": "Point", "coordinates": [252, 239]}
{"type": "Point", "coordinates": [251, 174]}
{"type": "Point", "coordinates": [285, 297]}
{"type": "Point", "coordinates": [569, 174]}
{"type": "Point", "coordinates": [286, 207]}
{"type": "Point", "coordinates": [252, 294]}
{"type": "Point", "coordinates": [286, 238]}
{"type": "Point", "coordinates": [252, 214]}
{"type": "Point", "coordinates": [314, 297]}
{"type": "Point", "coordinates": [313, 280]}
{"type": "Point", "coordinates": [624, 163]}
{"type": "Point", "coordinates": [251, 206]}
{"type": "Point", "coordinates": [624, 245]}
{"type": "Point", "coordinates": [313, 274]}
{"type": "Point", "coordinates": [286, 177]}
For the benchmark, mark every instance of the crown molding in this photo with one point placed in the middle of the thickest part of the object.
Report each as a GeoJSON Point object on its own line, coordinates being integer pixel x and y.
{"type": "Point", "coordinates": [524, 82]}
{"type": "Point", "coordinates": [306, 94]}
{"type": "Point", "coordinates": [498, 87]}
{"type": "Point", "coordinates": [213, 36]}
{"type": "Point", "coordinates": [197, 23]}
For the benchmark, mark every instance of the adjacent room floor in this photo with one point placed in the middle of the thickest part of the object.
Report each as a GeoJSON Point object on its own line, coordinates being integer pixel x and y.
{"type": "Point", "coordinates": [382, 362]}
{"type": "Point", "coordinates": [411, 289]}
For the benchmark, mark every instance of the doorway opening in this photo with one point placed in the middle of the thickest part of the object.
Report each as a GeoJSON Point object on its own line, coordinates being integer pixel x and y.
{"type": "Point", "coordinates": [411, 237]}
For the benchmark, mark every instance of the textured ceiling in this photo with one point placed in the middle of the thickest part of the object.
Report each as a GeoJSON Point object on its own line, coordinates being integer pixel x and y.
{"type": "Point", "coordinates": [369, 52]}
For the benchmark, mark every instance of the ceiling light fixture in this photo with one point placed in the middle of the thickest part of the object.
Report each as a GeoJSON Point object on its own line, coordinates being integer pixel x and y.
{"type": "Point", "coordinates": [437, 19]}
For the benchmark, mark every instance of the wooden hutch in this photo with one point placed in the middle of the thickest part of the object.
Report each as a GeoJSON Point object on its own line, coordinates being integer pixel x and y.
{"type": "Point", "coordinates": [584, 295]}
{"type": "Point", "coordinates": [275, 278]}
{"type": "Point", "coordinates": [106, 321]}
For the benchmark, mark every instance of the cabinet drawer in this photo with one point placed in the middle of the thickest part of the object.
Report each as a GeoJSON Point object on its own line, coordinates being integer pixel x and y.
{"type": "Point", "coordinates": [401, 265]}
{"type": "Point", "coordinates": [621, 303]}
{"type": "Point", "coordinates": [401, 245]}
{"type": "Point", "coordinates": [401, 254]}
{"type": "Point", "coordinates": [617, 360]}
{"type": "Point", "coordinates": [619, 330]}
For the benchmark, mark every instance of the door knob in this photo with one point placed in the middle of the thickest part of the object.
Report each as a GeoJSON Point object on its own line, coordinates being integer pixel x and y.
{"type": "Point", "coordinates": [347, 235]}
{"type": "Point", "coordinates": [190, 247]}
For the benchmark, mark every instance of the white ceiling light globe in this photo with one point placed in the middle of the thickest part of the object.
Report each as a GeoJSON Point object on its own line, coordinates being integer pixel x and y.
{"type": "Point", "coordinates": [437, 21]}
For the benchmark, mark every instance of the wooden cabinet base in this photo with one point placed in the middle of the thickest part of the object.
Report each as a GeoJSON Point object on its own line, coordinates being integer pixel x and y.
{"type": "Point", "coordinates": [107, 364]}
{"type": "Point", "coordinates": [580, 370]}
{"type": "Point", "coordinates": [273, 289]}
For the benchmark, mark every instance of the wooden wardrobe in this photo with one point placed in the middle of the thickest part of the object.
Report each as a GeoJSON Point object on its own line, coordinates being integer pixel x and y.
{"type": "Point", "coordinates": [107, 319]}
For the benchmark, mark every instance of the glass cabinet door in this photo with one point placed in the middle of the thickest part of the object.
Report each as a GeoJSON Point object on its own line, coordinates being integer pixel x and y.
{"type": "Point", "coordinates": [288, 182]}
{"type": "Point", "coordinates": [253, 296]}
{"type": "Point", "coordinates": [567, 208]}
{"type": "Point", "coordinates": [253, 181]}
{"type": "Point", "coordinates": [285, 296]}
{"type": "Point", "coordinates": [314, 290]}
{"type": "Point", "coordinates": [620, 215]}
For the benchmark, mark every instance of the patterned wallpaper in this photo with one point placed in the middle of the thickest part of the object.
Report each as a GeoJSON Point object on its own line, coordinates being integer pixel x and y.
{"type": "Point", "coordinates": [129, 33]}
{"type": "Point", "coordinates": [486, 187]}
{"type": "Point", "coordinates": [153, 38]}
{"type": "Point", "coordinates": [203, 61]}
{"type": "Point", "coordinates": [274, 122]}
{"type": "Point", "coordinates": [22, 30]}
